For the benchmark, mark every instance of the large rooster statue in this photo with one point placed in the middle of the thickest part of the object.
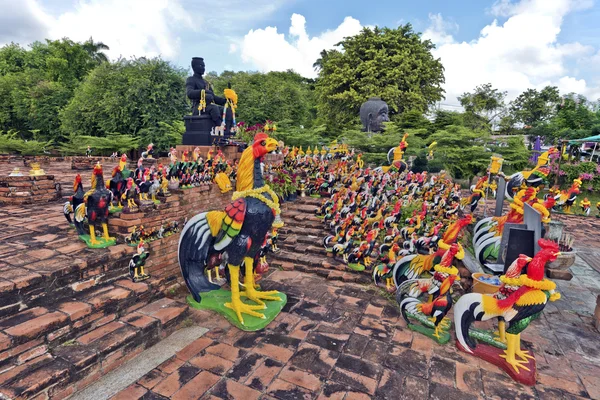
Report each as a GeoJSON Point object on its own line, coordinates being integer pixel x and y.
{"type": "Point", "coordinates": [95, 208]}
{"type": "Point", "coordinates": [566, 198]}
{"type": "Point", "coordinates": [234, 236]}
{"type": "Point", "coordinates": [521, 300]}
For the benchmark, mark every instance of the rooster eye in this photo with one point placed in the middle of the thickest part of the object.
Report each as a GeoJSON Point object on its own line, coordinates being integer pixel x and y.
{"type": "Point", "coordinates": [263, 143]}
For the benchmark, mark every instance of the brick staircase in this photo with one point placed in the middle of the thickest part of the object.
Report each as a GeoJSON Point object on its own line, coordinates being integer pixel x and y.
{"type": "Point", "coordinates": [69, 314]}
{"type": "Point", "coordinates": [300, 244]}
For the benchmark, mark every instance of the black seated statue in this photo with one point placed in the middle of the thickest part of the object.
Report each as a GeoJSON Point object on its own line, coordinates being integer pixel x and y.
{"type": "Point", "coordinates": [203, 123]}
{"type": "Point", "coordinates": [214, 104]}
{"type": "Point", "coordinates": [373, 113]}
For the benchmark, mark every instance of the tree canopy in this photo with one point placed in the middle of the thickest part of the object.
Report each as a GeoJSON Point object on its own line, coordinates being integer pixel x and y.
{"type": "Point", "coordinates": [394, 64]}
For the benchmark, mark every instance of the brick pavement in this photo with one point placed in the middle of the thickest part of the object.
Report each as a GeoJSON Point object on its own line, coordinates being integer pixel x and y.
{"type": "Point", "coordinates": [339, 340]}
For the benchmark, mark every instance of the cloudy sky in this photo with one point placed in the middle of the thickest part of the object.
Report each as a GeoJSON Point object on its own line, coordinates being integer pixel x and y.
{"type": "Point", "coordinates": [514, 44]}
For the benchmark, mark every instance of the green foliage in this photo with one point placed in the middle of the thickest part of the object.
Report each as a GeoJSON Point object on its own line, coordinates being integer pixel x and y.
{"type": "Point", "coordinates": [36, 84]}
{"type": "Point", "coordinates": [376, 146]}
{"type": "Point", "coordinates": [462, 151]}
{"type": "Point", "coordinates": [11, 143]}
{"type": "Point", "coordinates": [394, 64]}
{"type": "Point", "coordinates": [296, 136]}
{"type": "Point", "coordinates": [128, 96]}
{"type": "Point", "coordinates": [101, 146]}
{"type": "Point", "coordinates": [162, 136]}
{"type": "Point", "coordinates": [276, 96]}
{"type": "Point", "coordinates": [532, 108]}
{"type": "Point", "coordinates": [482, 107]}
{"type": "Point", "coordinates": [513, 151]}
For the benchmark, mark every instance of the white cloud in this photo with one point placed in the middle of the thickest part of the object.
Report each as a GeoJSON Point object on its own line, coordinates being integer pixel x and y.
{"type": "Point", "coordinates": [269, 50]}
{"type": "Point", "coordinates": [131, 27]}
{"type": "Point", "coordinates": [521, 53]}
{"type": "Point", "coordinates": [440, 31]}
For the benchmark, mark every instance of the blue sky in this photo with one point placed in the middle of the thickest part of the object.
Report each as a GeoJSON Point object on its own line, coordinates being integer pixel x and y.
{"type": "Point", "coordinates": [512, 44]}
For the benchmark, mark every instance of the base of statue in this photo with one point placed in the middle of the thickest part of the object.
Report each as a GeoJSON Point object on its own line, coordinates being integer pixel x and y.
{"type": "Point", "coordinates": [492, 355]}
{"type": "Point", "coordinates": [215, 300]}
{"type": "Point", "coordinates": [100, 243]}
{"type": "Point", "coordinates": [198, 130]}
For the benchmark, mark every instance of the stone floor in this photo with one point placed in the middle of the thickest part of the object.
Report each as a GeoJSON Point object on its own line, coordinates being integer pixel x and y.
{"type": "Point", "coordinates": [343, 340]}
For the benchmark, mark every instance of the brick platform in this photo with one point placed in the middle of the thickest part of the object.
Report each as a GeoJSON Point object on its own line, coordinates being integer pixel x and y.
{"type": "Point", "coordinates": [27, 189]}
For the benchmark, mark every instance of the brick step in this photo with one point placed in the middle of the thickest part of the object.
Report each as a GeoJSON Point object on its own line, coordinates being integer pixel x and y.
{"type": "Point", "coordinates": [34, 331]}
{"type": "Point", "coordinates": [61, 370]}
{"type": "Point", "coordinates": [301, 248]}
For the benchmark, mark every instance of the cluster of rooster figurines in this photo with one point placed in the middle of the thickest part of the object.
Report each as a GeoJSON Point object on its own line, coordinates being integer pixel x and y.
{"type": "Point", "coordinates": [192, 170]}
{"type": "Point", "coordinates": [404, 229]}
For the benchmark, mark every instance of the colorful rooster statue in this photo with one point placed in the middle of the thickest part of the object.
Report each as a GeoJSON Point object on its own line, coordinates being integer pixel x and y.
{"type": "Point", "coordinates": [477, 193]}
{"type": "Point", "coordinates": [74, 202]}
{"type": "Point", "coordinates": [532, 178]}
{"type": "Point", "coordinates": [566, 198]}
{"type": "Point", "coordinates": [384, 271]}
{"type": "Point", "coordinates": [431, 313]}
{"type": "Point", "coordinates": [234, 236]}
{"type": "Point", "coordinates": [95, 210]}
{"type": "Point", "coordinates": [520, 301]}
{"type": "Point", "coordinates": [137, 262]}
{"type": "Point", "coordinates": [412, 266]}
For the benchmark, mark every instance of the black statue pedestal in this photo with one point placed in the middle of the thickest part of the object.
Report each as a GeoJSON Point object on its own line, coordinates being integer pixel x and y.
{"type": "Point", "coordinates": [197, 131]}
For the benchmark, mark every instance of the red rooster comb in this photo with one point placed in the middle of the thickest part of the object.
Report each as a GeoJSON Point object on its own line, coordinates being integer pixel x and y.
{"type": "Point", "coordinates": [98, 169]}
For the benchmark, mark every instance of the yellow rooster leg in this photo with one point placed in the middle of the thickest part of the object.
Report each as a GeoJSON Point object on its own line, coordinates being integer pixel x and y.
{"type": "Point", "coordinates": [389, 283]}
{"type": "Point", "coordinates": [153, 197]}
{"type": "Point", "coordinates": [430, 299]}
{"type": "Point", "coordinates": [513, 343]}
{"type": "Point", "coordinates": [209, 273]}
{"type": "Point", "coordinates": [524, 354]}
{"type": "Point", "coordinates": [142, 273]}
{"type": "Point", "coordinates": [93, 239]}
{"type": "Point", "coordinates": [253, 294]}
{"type": "Point", "coordinates": [217, 277]}
{"type": "Point", "coordinates": [135, 274]}
{"type": "Point", "coordinates": [436, 332]}
{"type": "Point", "coordinates": [140, 196]}
{"type": "Point", "coordinates": [105, 232]}
{"type": "Point", "coordinates": [501, 333]}
{"type": "Point", "coordinates": [236, 303]}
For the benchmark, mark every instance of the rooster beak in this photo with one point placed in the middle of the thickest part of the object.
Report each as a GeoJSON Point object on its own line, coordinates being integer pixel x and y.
{"type": "Point", "coordinates": [271, 145]}
{"type": "Point", "coordinates": [557, 254]}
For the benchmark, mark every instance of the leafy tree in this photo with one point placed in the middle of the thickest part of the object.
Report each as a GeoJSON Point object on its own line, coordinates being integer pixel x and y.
{"type": "Point", "coordinates": [130, 97]}
{"type": "Point", "coordinates": [276, 96]}
{"type": "Point", "coordinates": [532, 108]}
{"type": "Point", "coordinates": [482, 106]}
{"type": "Point", "coordinates": [514, 153]}
{"type": "Point", "coordinates": [394, 64]}
{"type": "Point", "coordinates": [462, 151]}
{"type": "Point", "coordinates": [36, 84]}
{"type": "Point", "coordinates": [94, 49]}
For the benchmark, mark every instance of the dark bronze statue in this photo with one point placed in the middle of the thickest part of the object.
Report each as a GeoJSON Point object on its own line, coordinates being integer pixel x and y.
{"type": "Point", "coordinates": [211, 104]}
{"type": "Point", "coordinates": [373, 113]}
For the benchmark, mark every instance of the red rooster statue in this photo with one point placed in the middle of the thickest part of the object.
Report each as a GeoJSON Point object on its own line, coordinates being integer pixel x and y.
{"type": "Point", "coordinates": [521, 300]}
{"type": "Point", "coordinates": [235, 236]}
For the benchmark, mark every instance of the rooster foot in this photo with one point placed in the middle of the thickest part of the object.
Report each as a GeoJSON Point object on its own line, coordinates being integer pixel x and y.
{"type": "Point", "coordinates": [241, 308]}
{"type": "Point", "coordinates": [524, 354]}
{"type": "Point", "coordinates": [258, 297]}
{"type": "Point", "coordinates": [516, 364]}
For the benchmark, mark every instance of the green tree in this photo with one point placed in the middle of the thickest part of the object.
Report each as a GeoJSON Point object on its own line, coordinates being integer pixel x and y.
{"type": "Point", "coordinates": [131, 97]}
{"type": "Point", "coordinates": [95, 50]}
{"type": "Point", "coordinates": [394, 64]}
{"type": "Point", "coordinates": [276, 96]}
{"type": "Point", "coordinates": [462, 151]}
{"type": "Point", "coordinates": [532, 108]}
{"type": "Point", "coordinates": [36, 84]}
{"type": "Point", "coordinates": [483, 106]}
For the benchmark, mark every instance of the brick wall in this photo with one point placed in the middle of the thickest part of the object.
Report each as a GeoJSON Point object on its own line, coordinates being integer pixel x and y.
{"type": "Point", "coordinates": [162, 262]}
{"type": "Point", "coordinates": [27, 189]}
